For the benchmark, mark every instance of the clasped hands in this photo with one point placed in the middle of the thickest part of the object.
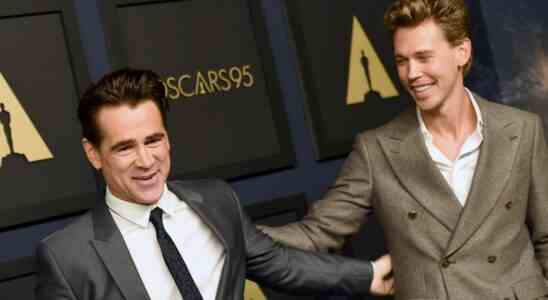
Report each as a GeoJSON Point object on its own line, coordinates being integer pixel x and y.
{"type": "Point", "coordinates": [383, 281]}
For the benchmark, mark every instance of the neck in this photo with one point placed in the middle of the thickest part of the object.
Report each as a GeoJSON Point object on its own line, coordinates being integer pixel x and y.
{"type": "Point", "coordinates": [456, 118]}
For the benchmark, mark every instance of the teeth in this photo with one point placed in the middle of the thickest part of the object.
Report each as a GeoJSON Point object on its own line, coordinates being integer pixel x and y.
{"type": "Point", "coordinates": [144, 177]}
{"type": "Point", "coordinates": [421, 88]}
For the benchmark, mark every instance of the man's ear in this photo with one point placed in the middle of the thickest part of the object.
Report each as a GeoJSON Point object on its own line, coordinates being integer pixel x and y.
{"type": "Point", "coordinates": [92, 154]}
{"type": "Point", "coordinates": [464, 52]}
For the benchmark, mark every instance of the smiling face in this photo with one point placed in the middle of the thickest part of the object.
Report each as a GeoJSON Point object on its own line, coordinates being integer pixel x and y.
{"type": "Point", "coordinates": [430, 67]}
{"type": "Point", "coordinates": [133, 154]}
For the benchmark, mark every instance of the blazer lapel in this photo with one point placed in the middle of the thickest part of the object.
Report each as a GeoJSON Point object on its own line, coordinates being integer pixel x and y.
{"type": "Point", "coordinates": [207, 214]}
{"type": "Point", "coordinates": [497, 155]}
{"type": "Point", "coordinates": [409, 158]}
{"type": "Point", "coordinates": [112, 249]}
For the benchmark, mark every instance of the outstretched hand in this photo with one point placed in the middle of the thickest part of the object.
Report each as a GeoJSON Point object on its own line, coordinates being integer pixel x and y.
{"type": "Point", "coordinates": [383, 281]}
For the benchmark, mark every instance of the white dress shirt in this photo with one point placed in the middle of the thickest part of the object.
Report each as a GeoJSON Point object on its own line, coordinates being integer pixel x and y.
{"type": "Point", "coordinates": [202, 252]}
{"type": "Point", "coordinates": [458, 173]}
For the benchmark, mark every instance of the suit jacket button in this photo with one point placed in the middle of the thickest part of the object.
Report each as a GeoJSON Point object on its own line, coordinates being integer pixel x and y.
{"type": "Point", "coordinates": [508, 204]}
{"type": "Point", "coordinates": [412, 215]}
{"type": "Point", "coordinates": [491, 259]}
{"type": "Point", "coordinates": [445, 263]}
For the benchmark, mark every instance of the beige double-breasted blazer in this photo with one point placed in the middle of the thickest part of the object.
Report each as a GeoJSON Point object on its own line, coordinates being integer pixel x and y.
{"type": "Point", "coordinates": [495, 247]}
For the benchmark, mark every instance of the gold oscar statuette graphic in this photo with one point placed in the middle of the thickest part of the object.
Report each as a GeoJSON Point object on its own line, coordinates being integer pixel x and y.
{"type": "Point", "coordinates": [19, 139]}
{"type": "Point", "coordinates": [252, 291]}
{"type": "Point", "coordinates": [366, 73]}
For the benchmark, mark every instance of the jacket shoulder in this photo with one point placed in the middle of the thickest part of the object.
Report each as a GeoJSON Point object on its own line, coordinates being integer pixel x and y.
{"type": "Point", "coordinates": [201, 186]}
{"type": "Point", "coordinates": [403, 122]}
{"type": "Point", "coordinates": [80, 230]}
{"type": "Point", "coordinates": [212, 192]}
{"type": "Point", "coordinates": [504, 111]}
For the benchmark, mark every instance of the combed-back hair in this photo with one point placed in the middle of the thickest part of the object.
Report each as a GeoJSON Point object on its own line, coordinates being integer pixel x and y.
{"type": "Point", "coordinates": [123, 87]}
{"type": "Point", "coordinates": [451, 15]}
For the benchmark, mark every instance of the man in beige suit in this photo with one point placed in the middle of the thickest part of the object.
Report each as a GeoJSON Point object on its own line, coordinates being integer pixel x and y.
{"type": "Point", "coordinates": [459, 184]}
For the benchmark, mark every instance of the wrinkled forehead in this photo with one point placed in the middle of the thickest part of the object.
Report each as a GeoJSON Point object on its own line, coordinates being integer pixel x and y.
{"type": "Point", "coordinates": [129, 121]}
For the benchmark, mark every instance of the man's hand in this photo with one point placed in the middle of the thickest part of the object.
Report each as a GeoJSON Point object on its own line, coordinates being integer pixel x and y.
{"type": "Point", "coordinates": [383, 282]}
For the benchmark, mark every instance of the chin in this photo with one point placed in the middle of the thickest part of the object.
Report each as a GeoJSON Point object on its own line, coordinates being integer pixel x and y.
{"type": "Point", "coordinates": [149, 201]}
{"type": "Point", "coordinates": [151, 198]}
{"type": "Point", "coordinates": [422, 106]}
{"type": "Point", "coordinates": [427, 105]}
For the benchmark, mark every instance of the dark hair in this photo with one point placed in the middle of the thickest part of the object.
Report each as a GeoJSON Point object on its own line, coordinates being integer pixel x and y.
{"type": "Point", "coordinates": [451, 15]}
{"type": "Point", "coordinates": [122, 87]}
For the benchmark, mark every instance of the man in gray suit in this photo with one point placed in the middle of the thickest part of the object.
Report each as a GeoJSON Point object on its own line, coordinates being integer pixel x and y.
{"type": "Point", "coordinates": [459, 184]}
{"type": "Point", "coordinates": [198, 243]}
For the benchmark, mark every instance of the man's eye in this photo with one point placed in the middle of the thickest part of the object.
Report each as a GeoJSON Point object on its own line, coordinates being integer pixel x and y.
{"type": "Point", "coordinates": [123, 149]}
{"type": "Point", "coordinates": [153, 142]}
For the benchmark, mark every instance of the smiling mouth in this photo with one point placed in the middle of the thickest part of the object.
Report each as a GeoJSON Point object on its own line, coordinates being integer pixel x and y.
{"type": "Point", "coordinates": [419, 88]}
{"type": "Point", "coordinates": [145, 177]}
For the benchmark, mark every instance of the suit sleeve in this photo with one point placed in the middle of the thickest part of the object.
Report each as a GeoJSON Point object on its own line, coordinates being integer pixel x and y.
{"type": "Point", "coordinates": [340, 214]}
{"type": "Point", "coordinates": [537, 210]}
{"type": "Point", "coordinates": [51, 283]}
{"type": "Point", "coordinates": [299, 272]}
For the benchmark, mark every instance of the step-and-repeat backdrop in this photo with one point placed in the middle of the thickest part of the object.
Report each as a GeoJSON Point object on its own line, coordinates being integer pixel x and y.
{"type": "Point", "coordinates": [226, 118]}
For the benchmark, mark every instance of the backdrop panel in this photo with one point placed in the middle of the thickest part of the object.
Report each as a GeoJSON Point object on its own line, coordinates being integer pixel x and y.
{"type": "Point", "coordinates": [226, 117]}
{"type": "Point", "coordinates": [43, 170]}
{"type": "Point", "coordinates": [17, 268]}
{"type": "Point", "coordinates": [21, 288]}
{"type": "Point", "coordinates": [348, 68]}
{"type": "Point", "coordinates": [520, 44]}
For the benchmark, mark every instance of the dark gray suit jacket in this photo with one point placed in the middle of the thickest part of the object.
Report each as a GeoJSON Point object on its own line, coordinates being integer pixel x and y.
{"type": "Point", "coordinates": [89, 259]}
{"type": "Point", "coordinates": [495, 247]}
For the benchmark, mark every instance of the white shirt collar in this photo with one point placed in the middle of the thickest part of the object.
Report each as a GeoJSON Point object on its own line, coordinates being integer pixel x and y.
{"type": "Point", "coordinates": [479, 119]}
{"type": "Point", "coordinates": [139, 214]}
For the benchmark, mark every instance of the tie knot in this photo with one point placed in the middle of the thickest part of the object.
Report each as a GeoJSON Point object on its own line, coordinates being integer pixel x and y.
{"type": "Point", "coordinates": [156, 217]}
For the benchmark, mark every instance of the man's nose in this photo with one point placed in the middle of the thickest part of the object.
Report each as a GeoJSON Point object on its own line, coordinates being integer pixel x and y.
{"type": "Point", "coordinates": [145, 158]}
{"type": "Point", "coordinates": [414, 71]}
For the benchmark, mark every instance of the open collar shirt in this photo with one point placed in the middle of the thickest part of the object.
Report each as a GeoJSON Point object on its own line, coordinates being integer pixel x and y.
{"type": "Point", "coordinates": [460, 172]}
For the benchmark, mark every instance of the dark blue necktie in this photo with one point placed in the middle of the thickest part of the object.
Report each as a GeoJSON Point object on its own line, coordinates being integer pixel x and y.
{"type": "Point", "coordinates": [173, 259]}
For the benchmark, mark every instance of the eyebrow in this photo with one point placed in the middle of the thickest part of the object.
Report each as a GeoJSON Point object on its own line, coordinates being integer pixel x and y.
{"type": "Point", "coordinates": [131, 142]}
{"type": "Point", "coordinates": [423, 52]}
{"type": "Point", "coordinates": [122, 144]}
{"type": "Point", "coordinates": [157, 135]}
{"type": "Point", "coordinates": [420, 52]}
